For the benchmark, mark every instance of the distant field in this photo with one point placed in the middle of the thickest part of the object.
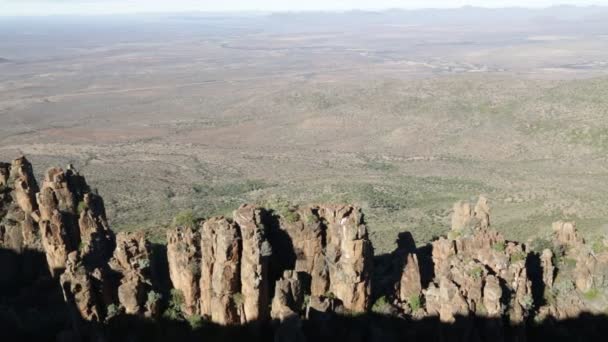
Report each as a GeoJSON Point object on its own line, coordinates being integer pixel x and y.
{"type": "Point", "coordinates": [402, 120]}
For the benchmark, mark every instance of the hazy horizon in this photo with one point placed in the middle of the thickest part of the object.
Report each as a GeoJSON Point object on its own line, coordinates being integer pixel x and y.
{"type": "Point", "coordinates": [107, 7]}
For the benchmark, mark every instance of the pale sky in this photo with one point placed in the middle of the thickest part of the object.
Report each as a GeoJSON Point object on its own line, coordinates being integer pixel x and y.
{"type": "Point", "coordinates": [50, 7]}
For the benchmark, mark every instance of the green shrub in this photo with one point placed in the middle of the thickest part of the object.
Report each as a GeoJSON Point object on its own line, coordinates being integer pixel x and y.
{"type": "Point", "coordinates": [143, 263]}
{"type": "Point", "coordinates": [196, 322]}
{"type": "Point", "coordinates": [284, 208]}
{"type": "Point", "coordinates": [112, 311]}
{"type": "Point", "coordinates": [153, 297]}
{"type": "Point", "coordinates": [454, 234]}
{"type": "Point", "coordinates": [414, 302]}
{"type": "Point", "coordinates": [238, 299]}
{"type": "Point", "coordinates": [330, 295]}
{"type": "Point", "coordinates": [538, 245]}
{"type": "Point", "coordinates": [599, 246]}
{"type": "Point", "coordinates": [518, 256]}
{"type": "Point", "coordinates": [527, 302]}
{"type": "Point", "coordinates": [476, 272]}
{"type": "Point", "coordinates": [310, 218]}
{"type": "Point", "coordinates": [174, 308]}
{"type": "Point", "coordinates": [499, 247]}
{"type": "Point", "coordinates": [592, 294]}
{"type": "Point", "coordinates": [185, 218]}
{"type": "Point", "coordinates": [305, 302]}
{"type": "Point", "coordinates": [82, 206]}
{"type": "Point", "coordinates": [381, 306]}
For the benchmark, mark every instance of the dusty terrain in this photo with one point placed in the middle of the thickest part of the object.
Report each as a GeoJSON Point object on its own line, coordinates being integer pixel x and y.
{"type": "Point", "coordinates": [400, 113]}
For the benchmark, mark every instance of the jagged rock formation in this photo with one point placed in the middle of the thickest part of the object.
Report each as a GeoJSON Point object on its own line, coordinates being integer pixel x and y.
{"type": "Point", "coordinates": [294, 268]}
{"type": "Point", "coordinates": [184, 257]}
{"type": "Point", "coordinates": [288, 297]}
{"type": "Point", "coordinates": [546, 262]}
{"type": "Point", "coordinates": [254, 263]}
{"type": "Point", "coordinates": [78, 289]}
{"type": "Point", "coordinates": [475, 267]}
{"type": "Point", "coordinates": [132, 259]}
{"type": "Point", "coordinates": [410, 285]}
{"type": "Point", "coordinates": [220, 276]}
{"type": "Point", "coordinates": [18, 229]}
{"type": "Point", "coordinates": [565, 234]}
{"type": "Point", "coordinates": [348, 255]}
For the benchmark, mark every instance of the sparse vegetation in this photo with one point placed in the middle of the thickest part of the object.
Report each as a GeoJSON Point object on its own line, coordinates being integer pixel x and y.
{"type": "Point", "coordinates": [330, 295]}
{"type": "Point", "coordinates": [599, 246]}
{"type": "Point", "coordinates": [476, 272]}
{"type": "Point", "coordinates": [518, 256]}
{"type": "Point", "coordinates": [174, 307]}
{"type": "Point", "coordinates": [185, 218]}
{"type": "Point", "coordinates": [238, 299]}
{"type": "Point", "coordinates": [196, 322]}
{"type": "Point", "coordinates": [284, 208]}
{"type": "Point", "coordinates": [82, 206]}
{"type": "Point", "coordinates": [305, 302]}
{"type": "Point", "coordinates": [381, 306]}
{"type": "Point", "coordinates": [527, 302]}
{"type": "Point", "coordinates": [499, 247]}
{"type": "Point", "coordinates": [153, 297]}
{"type": "Point", "coordinates": [112, 311]}
{"type": "Point", "coordinates": [592, 294]}
{"type": "Point", "coordinates": [415, 303]}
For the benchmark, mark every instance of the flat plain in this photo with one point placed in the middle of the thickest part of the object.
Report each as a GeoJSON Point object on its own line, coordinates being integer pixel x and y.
{"type": "Point", "coordinates": [402, 113]}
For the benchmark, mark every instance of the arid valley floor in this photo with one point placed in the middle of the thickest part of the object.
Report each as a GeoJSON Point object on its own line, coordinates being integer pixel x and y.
{"type": "Point", "coordinates": [402, 113]}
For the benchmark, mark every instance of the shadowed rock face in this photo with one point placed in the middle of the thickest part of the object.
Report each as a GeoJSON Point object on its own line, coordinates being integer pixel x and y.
{"type": "Point", "coordinates": [260, 266]}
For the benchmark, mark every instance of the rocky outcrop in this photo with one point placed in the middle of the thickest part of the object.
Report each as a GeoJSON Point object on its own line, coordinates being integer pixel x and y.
{"type": "Point", "coordinates": [474, 269]}
{"type": "Point", "coordinates": [348, 255]}
{"type": "Point", "coordinates": [18, 227]}
{"type": "Point", "coordinates": [132, 260]}
{"type": "Point", "coordinates": [462, 215]}
{"type": "Point", "coordinates": [410, 286]}
{"type": "Point", "coordinates": [184, 258]}
{"type": "Point", "coordinates": [482, 212]}
{"type": "Point", "coordinates": [288, 297]}
{"type": "Point", "coordinates": [254, 263]}
{"type": "Point", "coordinates": [282, 266]}
{"type": "Point", "coordinates": [307, 237]}
{"type": "Point", "coordinates": [546, 262]}
{"type": "Point", "coordinates": [56, 242]}
{"type": "Point", "coordinates": [220, 283]}
{"type": "Point", "coordinates": [565, 233]}
{"type": "Point", "coordinates": [79, 291]}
